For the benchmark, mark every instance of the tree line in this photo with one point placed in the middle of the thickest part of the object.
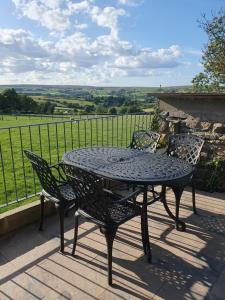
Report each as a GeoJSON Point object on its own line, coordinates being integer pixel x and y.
{"type": "Point", "coordinates": [12, 102]}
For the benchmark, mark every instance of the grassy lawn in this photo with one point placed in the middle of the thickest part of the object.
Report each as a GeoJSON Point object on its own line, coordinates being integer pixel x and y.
{"type": "Point", "coordinates": [51, 141]}
{"type": "Point", "coordinates": [9, 120]}
{"type": "Point", "coordinates": [149, 109]}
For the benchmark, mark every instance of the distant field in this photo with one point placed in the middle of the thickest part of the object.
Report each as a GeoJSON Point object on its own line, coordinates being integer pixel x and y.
{"type": "Point", "coordinates": [150, 109]}
{"type": "Point", "coordinates": [51, 141]}
{"type": "Point", "coordinates": [9, 120]}
{"type": "Point", "coordinates": [61, 100]}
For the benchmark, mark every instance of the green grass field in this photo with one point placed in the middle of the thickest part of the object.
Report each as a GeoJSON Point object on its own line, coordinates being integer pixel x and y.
{"type": "Point", "coordinates": [51, 141]}
{"type": "Point", "coordinates": [60, 100]}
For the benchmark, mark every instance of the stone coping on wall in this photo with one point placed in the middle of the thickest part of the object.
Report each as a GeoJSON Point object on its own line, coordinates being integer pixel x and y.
{"type": "Point", "coordinates": [205, 96]}
{"type": "Point", "coordinates": [23, 215]}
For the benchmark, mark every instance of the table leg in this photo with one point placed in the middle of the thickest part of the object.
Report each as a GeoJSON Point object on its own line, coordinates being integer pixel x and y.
{"type": "Point", "coordinates": [178, 191]}
{"type": "Point", "coordinates": [180, 225]}
{"type": "Point", "coordinates": [144, 226]}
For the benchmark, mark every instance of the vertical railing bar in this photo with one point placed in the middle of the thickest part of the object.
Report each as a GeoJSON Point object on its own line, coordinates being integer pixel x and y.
{"type": "Point", "coordinates": [96, 131]}
{"type": "Point", "coordinates": [64, 135]}
{"type": "Point", "coordinates": [138, 122]}
{"type": "Point", "coordinates": [85, 134]}
{"type": "Point", "coordinates": [22, 157]}
{"type": "Point", "coordinates": [49, 145]}
{"type": "Point", "coordinates": [122, 132]}
{"type": "Point", "coordinates": [13, 163]}
{"type": "Point", "coordinates": [78, 133]}
{"type": "Point", "coordinates": [107, 128]}
{"type": "Point", "coordinates": [146, 122]}
{"type": "Point", "coordinates": [91, 132]}
{"type": "Point", "coordinates": [112, 130]}
{"type": "Point", "coordinates": [102, 133]}
{"type": "Point", "coordinates": [126, 129]}
{"type": "Point", "coordinates": [39, 136]}
{"type": "Point", "coordinates": [117, 131]}
{"type": "Point", "coordinates": [131, 121]}
{"type": "Point", "coordinates": [71, 133]}
{"type": "Point", "coordinates": [151, 118]}
{"type": "Point", "coordinates": [57, 141]}
{"type": "Point", "coordinates": [31, 148]}
{"type": "Point", "coordinates": [3, 175]}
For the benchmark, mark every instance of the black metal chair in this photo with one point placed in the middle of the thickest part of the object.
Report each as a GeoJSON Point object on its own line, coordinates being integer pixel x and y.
{"type": "Point", "coordinates": [54, 188]}
{"type": "Point", "coordinates": [145, 140]}
{"type": "Point", "coordinates": [187, 147]}
{"type": "Point", "coordinates": [102, 207]}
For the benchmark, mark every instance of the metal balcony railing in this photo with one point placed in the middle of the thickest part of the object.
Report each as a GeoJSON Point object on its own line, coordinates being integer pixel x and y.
{"type": "Point", "coordinates": [51, 140]}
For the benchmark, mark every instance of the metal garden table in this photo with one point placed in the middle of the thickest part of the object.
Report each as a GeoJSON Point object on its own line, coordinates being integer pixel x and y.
{"type": "Point", "coordinates": [138, 168]}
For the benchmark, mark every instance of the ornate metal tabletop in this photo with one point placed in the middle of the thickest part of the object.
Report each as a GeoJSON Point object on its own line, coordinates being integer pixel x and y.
{"type": "Point", "coordinates": [131, 165]}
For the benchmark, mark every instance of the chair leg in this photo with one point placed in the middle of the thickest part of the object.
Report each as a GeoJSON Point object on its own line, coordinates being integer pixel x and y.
{"type": "Point", "coordinates": [61, 217]}
{"type": "Point", "coordinates": [193, 197]}
{"type": "Point", "coordinates": [109, 235]}
{"type": "Point", "coordinates": [76, 224]}
{"type": "Point", "coordinates": [42, 199]}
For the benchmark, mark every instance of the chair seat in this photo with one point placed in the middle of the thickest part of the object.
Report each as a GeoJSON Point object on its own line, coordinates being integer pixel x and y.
{"type": "Point", "coordinates": [66, 193]}
{"type": "Point", "coordinates": [117, 214]}
{"type": "Point", "coordinates": [120, 213]}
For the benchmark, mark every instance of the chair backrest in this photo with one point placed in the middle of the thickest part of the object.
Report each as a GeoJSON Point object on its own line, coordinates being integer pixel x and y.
{"type": "Point", "coordinates": [185, 146]}
{"type": "Point", "coordinates": [90, 192]}
{"type": "Point", "coordinates": [145, 140]}
{"type": "Point", "coordinates": [43, 171]}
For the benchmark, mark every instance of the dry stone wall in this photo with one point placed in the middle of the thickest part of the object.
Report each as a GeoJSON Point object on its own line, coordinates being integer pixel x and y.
{"type": "Point", "coordinates": [213, 134]}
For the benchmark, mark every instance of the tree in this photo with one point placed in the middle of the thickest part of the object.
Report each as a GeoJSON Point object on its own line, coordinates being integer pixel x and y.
{"type": "Point", "coordinates": [101, 109]}
{"type": "Point", "coordinates": [213, 58]}
{"type": "Point", "coordinates": [133, 109]}
{"type": "Point", "coordinates": [112, 111]}
{"type": "Point", "coordinates": [89, 108]}
{"type": "Point", "coordinates": [123, 110]}
{"type": "Point", "coordinates": [11, 100]}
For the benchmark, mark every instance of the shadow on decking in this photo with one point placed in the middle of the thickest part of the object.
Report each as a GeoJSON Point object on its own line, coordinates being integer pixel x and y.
{"type": "Point", "coordinates": [185, 264]}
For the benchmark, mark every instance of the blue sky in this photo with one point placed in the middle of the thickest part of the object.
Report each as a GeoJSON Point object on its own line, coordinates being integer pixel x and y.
{"type": "Point", "coordinates": [104, 43]}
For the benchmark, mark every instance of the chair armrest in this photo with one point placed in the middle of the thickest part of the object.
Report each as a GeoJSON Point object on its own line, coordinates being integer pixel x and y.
{"type": "Point", "coordinates": [110, 193]}
{"type": "Point", "coordinates": [131, 196]}
{"type": "Point", "coordinates": [61, 175]}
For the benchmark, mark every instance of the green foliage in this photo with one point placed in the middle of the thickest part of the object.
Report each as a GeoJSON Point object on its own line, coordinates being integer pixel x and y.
{"type": "Point", "coordinates": [11, 101]}
{"type": "Point", "coordinates": [123, 110]}
{"type": "Point", "coordinates": [156, 119]}
{"type": "Point", "coordinates": [112, 111]}
{"type": "Point", "coordinates": [215, 176]}
{"type": "Point", "coordinates": [213, 59]}
{"type": "Point", "coordinates": [89, 109]}
{"type": "Point", "coordinates": [100, 109]}
{"type": "Point", "coordinates": [201, 83]}
{"type": "Point", "coordinates": [133, 109]}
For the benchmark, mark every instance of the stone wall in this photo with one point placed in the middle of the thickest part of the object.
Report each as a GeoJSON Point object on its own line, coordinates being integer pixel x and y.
{"type": "Point", "coordinates": [214, 146]}
{"type": "Point", "coordinates": [204, 117]}
{"type": "Point", "coordinates": [205, 107]}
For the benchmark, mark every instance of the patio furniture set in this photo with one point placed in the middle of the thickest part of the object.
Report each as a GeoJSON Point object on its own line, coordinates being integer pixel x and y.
{"type": "Point", "coordinates": [83, 181]}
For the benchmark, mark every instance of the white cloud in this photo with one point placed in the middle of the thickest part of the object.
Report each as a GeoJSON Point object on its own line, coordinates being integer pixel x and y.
{"type": "Point", "coordinates": [107, 17]}
{"type": "Point", "coordinates": [74, 57]}
{"type": "Point", "coordinates": [17, 43]}
{"type": "Point", "coordinates": [147, 59]}
{"type": "Point", "coordinates": [47, 13]}
{"type": "Point", "coordinates": [79, 6]}
{"type": "Point", "coordinates": [130, 2]}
